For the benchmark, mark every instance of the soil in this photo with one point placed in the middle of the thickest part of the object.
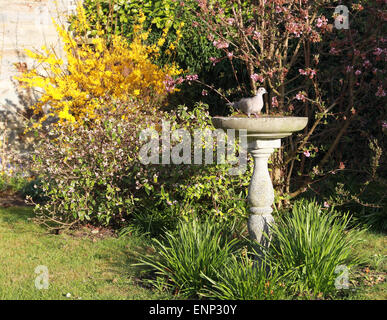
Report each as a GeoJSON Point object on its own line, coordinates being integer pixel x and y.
{"type": "Point", "coordinates": [11, 199]}
{"type": "Point", "coordinates": [92, 232]}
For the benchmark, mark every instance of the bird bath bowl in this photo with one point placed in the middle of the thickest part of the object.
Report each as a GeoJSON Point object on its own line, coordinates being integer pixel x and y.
{"type": "Point", "coordinates": [264, 127]}
{"type": "Point", "coordinates": [263, 136]}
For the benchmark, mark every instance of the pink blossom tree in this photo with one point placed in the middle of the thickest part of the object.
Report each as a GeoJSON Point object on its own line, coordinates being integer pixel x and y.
{"type": "Point", "coordinates": [309, 67]}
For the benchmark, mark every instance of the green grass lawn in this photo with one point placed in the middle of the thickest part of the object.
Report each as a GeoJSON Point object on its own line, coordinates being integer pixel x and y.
{"type": "Point", "coordinates": [78, 266]}
{"type": "Point", "coordinates": [370, 278]}
{"type": "Point", "coordinates": [88, 267]}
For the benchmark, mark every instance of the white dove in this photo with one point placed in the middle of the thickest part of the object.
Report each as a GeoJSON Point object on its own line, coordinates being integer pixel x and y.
{"type": "Point", "coordinates": [252, 105]}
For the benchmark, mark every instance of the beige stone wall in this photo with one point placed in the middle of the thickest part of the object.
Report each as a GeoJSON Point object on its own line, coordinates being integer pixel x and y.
{"type": "Point", "coordinates": [24, 24]}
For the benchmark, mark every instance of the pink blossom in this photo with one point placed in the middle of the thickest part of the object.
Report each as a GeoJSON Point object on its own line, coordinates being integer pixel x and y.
{"type": "Point", "coordinates": [307, 153]}
{"type": "Point", "coordinates": [257, 77]}
{"type": "Point", "coordinates": [348, 69]}
{"type": "Point", "coordinates": [304, 13]}
{"type": "Point", "coordinates": [214, 60]}
{"type": "Point", "coordinates": [274, 102]}
{"type": "Point", "coordinates": [230, 55]}
{"type": "Point", "coordinates": [169, 84]}
{"type": "Point", "coordinates": [179, 80]}
{"type": "Point", "coordinates": [256, 35]}
{"type": "Point", "coordinates": [358, 72]}
{"type": "Point", "coordinates": [202, 3]}
{"type": "Point", "coordinates": [302, 71]}
{"type": "Point", "coordinates": [230, 21]}
{"type": "Point", "coordinates": [308, 72]}
{"type": "Point", "coordinates": [378, 52]}
{"type": "Point", "coordinates": [249, 31]}
{"type": "Point", "coordinates": [294, 28]}
{"type": "Point", "coordinates": [380, 92]}
{"type": "Point", "coordinates": [192, 77]}
{"type": "Point", "coordinates": [357, 6]}
{"type": "Point", "coordinates": [312, 73]}
{"type": "Point", "coordinates": [204, 93]}
{"type": "Point", "coordinates": [319, 23]}
{"type": "Point", "coordinates": [254, 76]}
{"type": "Point", "coordinates": [220, 44]}
{"type": "Point", "coordinates": [300, 96]}
{"type": "Point", "coordinates": [367, 64]}
{"type": "Point", "coordinates": [326, 204]}
{"type": "Point", "coordinates": [334, 51]}
{"type": "Point", "coordinates": [314, 36]}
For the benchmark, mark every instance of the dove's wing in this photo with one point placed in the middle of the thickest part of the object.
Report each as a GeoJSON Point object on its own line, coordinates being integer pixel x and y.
{"type": "Point", "coordinates": [245, 105]}
{"type": "Point", "coordinates": [249, 105]}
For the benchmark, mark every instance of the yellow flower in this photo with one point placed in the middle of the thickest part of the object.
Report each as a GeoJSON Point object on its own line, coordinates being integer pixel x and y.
{"type": "Point", "coordinates": [106, 70]}
{"type": "Point", "coordinates": [160, 42]}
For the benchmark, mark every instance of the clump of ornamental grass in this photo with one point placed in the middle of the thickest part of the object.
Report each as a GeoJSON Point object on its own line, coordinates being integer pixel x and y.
{"type": "Point", "coordinates": [242, 278]}
{"type": "Point", "coordinates": [313, 245]}
{"type": "Point", "coordinates": [188, 258]}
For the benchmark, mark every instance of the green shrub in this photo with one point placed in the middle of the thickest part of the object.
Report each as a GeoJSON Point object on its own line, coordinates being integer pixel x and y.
{"type": "Point", "coordinates": [376, 218]}
{"type": "Point", "coordinates": [153, 221]}
{"type": "Point", "coordinates": [190, 256]}
{"type": "Point", "coordinates": [33, 190]}
{"type": "Point", "coordinates": [194, 190]}
{"type": "Point", "coordinates": [310, 243]}
{"type": "Point", "coordinates": [87, 172]}
{"type": "Point", "coordinates": [12, 183]}
{"type": "Point", "coordinates": [93, 174]}
{"type": "Point", "coordinates": [116, 17]}
{"type": "Point", "coordinates": [243, 279]}
{"type": "Point", "coordinates": [193, 52]}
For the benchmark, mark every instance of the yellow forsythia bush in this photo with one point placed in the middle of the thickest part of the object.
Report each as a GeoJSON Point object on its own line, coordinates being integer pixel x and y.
{"type": "Point", "coordinates": [95, 71]}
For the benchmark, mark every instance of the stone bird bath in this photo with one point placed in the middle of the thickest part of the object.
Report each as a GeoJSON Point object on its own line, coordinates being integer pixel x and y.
{"type": "Point", "coordinates": [263, 136]}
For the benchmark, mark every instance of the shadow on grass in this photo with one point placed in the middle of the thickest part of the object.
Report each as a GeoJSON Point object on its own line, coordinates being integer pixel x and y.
{"type": "Point", "coordinates": [16, 214]}
{"type": "Point", "coordinates": [127, 262]}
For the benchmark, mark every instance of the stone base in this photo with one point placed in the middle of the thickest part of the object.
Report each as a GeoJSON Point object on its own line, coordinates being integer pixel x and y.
{"type": "Point", "coordinates": [259, 230]}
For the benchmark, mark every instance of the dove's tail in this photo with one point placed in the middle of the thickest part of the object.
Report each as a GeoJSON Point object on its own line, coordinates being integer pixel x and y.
{"type": "Point", "coordinates": [233, 104]}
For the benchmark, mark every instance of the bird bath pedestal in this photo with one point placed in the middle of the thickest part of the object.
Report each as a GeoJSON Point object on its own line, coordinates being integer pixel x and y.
{"type": "Point", "coordinates": [263, 136]}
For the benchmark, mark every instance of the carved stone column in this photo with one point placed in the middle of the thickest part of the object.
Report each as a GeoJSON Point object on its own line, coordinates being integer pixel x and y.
{"type": "Point", "coordinates": [264, 135]}
{"type": "Point", "coordinates": [261, 192]}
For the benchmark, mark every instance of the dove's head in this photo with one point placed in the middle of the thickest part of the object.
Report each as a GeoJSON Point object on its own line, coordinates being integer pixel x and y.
{"type": "Point", "coordinates": [261, 91]}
